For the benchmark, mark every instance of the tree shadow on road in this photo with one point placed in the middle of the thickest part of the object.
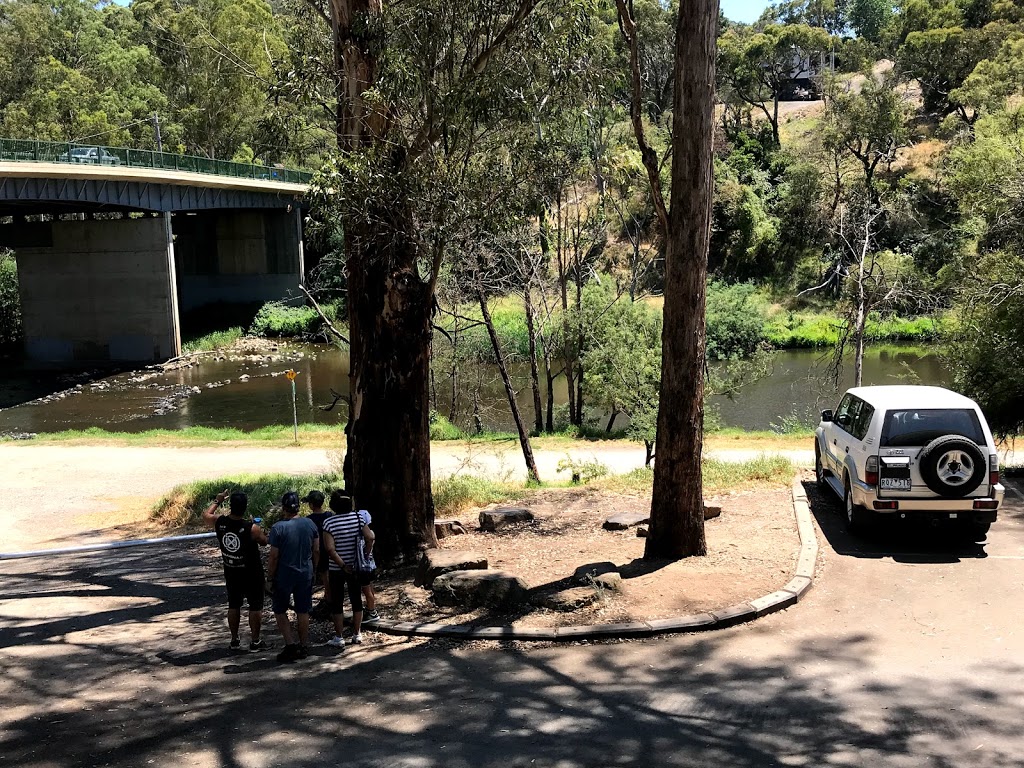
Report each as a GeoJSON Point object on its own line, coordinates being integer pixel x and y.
{"type": "Point", "coordinates": [903, 541]}
{"type": "Point", "coordinates": [109, 696]}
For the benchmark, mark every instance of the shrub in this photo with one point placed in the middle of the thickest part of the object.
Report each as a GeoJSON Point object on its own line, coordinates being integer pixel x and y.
{"type": "Point", "coordinates": [10, 301]}
{"type": "Point", "coordinates": [456, 493]}
{"type": "Point", "coordinates": [442, 429]}
{"type": "Point", "coordinates": [736, 318]}
{"type": "Point", "coordinates": [276, 320]}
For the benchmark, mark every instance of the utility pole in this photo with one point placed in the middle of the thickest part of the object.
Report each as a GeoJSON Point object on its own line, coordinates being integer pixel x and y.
{"type": "Point", "coordinates": [156, 127]}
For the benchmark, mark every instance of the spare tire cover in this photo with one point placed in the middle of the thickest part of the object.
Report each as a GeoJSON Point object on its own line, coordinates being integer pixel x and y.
{"type": "Point", "coordinates": [953, 466]}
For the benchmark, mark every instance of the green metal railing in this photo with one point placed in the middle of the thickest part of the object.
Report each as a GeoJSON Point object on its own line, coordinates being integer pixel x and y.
{"type": "Point", "coordinates": [29, 151]}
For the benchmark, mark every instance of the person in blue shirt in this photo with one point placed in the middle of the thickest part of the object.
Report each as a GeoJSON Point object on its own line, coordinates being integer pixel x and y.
{"type": "Point", "coordinates": [294, 552]}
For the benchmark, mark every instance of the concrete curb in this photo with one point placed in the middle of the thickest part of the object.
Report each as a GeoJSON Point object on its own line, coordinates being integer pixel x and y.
{"type": "Point", "coordinates": [787, 595]}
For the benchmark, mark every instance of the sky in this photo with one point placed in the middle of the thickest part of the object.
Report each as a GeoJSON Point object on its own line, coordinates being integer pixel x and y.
{"type": "Point", "coordinates": [746, 11]}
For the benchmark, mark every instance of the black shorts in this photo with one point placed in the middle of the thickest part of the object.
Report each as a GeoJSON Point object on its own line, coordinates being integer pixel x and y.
{"type": "Point", "coordinates": [340, 582]}
{"type": "Point", "coordinates": [245, 585]}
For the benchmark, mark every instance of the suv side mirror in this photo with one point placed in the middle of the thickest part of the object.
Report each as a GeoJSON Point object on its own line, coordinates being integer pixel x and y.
{"type": "Point", "coordinates": [827, 415]}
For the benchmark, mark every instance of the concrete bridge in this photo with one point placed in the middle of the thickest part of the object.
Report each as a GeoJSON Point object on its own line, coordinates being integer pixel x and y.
{"type": "Point", "coordinates": [110, 255]}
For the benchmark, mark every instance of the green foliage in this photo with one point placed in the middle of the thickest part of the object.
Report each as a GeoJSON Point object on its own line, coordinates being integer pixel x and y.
{"type": "Point", "coordinates": [941, 59]}
{"type": "Point", "coordinates": [623, 366]}
{"type": "Point", "coordinates": [184, 504]}
{"type": "Point", "coordinates": [10, 301]}
{"type": "Point", "coordinates": [869, 18]}
{"type": "Point", "coordinates": [456, 493]}
{"type": "Point", "coordinates": [582, 470]}
{"type": "Point", "coordinates": [275, 319]}
{"type": "Point", "coordinates": [795, 330]}
{"type": "Point", "coordinates": [442, 429]}
{"type": "Point", "coordinates": [736, 317]}
{"type": "Point", "coordinates": [213, 340]}
{"type": "Point", "coordinates": [986, 347]}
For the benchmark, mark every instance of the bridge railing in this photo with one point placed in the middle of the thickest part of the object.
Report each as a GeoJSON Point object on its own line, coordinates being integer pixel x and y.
{"type": "Point", "coordinates": [31, 151]}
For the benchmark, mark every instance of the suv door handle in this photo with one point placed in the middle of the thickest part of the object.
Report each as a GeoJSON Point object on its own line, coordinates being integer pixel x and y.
{"type": "Point", "coordinates": [835, 442]}
{"type": "Point", "coordinates": [847, 449]}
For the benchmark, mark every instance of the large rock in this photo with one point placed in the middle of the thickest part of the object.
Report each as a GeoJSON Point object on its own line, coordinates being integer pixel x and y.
{"type": "Point", "coordinates": [711, 512]}
{"type": "Point", "coordinates": [445, 528]}
{"type": "Point", "coordinates": [436, 562]}
{"type": "Point", "coordinates": [569, 599]}
{"type": "Point", "coordinates": [609, 581]}
{"type": "Point", "coordinates": [473, 588]}
{"type": "Point", "coordinates": [624, 520]}
{"type": "Point", "coordinates": [495, 519]}
{"type": "Point", "coordinates": [586, 574]}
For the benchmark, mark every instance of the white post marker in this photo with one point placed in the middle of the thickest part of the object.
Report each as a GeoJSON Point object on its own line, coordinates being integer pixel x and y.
{"type": "Point", "coordinates": [295, 413]}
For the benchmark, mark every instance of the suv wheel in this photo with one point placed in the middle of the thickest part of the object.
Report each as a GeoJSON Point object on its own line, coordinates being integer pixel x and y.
{"type": "Point", "coordinates": [953, 466]}
{"type": "Point", "coordinates": [819, 468]}
{"type": "Point", "coordinates": [856, 516]}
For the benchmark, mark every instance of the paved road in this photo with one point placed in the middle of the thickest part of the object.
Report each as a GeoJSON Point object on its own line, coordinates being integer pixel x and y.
{"type": "Point", "coordinates": [908, 652]}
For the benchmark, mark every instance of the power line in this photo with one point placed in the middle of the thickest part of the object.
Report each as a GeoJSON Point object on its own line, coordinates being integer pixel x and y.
{"type": "Point", "coordinates": [118, 128]}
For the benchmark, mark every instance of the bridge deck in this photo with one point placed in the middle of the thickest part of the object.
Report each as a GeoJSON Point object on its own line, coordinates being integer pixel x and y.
{"type": "Point", "coordinates": [42, 170]}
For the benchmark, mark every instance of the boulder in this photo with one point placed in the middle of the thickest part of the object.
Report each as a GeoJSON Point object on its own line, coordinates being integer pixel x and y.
{"type": "Point", "coordinates": [610, 581]}
{"type": "Point", "coordinates": [473, 588]}
{"type": "Point", "coordinates": [586, 574]}
{"type": "Point", "coordinates": [569, 599]}
{"type": "Point", "coordinates": [495, 519]}
{"type": "Point", "coordinates": [435, 562]}
{"type": "Point", "coordinates": [414, 596]}
{"type": "Point", "coordinates": [624, 520]}
{"type": "Point", "coordinates": [445, 528]}
{"type": "Point", "coordinates": [711, 512]}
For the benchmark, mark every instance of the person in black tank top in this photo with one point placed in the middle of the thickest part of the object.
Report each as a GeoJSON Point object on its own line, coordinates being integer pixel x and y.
{"type": "Point", "coordinates": [239, 539]}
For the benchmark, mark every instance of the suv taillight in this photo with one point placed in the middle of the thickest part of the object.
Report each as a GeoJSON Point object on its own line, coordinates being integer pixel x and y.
{"type": "Point", "coordinates": [871, 471]}
{"type": "Point", "coordinates": [993, 469]}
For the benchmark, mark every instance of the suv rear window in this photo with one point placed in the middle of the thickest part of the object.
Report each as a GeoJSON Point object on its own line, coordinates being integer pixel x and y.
{"type": "Point", "coordinates": [918, 426]}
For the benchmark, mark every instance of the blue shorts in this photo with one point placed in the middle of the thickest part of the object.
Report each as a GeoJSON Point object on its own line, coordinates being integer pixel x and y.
{"type": "Point", "coordinates": [289, 584]}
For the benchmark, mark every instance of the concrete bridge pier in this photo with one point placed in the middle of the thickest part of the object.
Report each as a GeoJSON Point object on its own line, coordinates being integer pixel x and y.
{"type": "Point", "coordinates": [238, 257]}
{"type": "Point", "coordinates": [96, 290]}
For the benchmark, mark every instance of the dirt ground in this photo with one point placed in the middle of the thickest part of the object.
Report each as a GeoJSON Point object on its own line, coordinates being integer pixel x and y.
{"type": "Point", "coordinates": [753, 548]}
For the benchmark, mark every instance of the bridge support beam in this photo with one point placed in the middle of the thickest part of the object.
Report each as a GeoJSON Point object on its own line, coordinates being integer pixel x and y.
{"type": "Point", "coordinates": [98, 290]}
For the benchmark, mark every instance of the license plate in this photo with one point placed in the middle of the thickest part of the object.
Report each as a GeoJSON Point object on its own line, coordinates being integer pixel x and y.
{"type": "Point", "coordinates": [895, 484]}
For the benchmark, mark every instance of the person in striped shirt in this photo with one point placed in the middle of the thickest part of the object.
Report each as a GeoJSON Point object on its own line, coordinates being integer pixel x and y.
{"type": "Point", "coordinates": [341, 535]}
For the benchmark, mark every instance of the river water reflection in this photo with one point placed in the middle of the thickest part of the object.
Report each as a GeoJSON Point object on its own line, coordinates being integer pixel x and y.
{"type": "Point", "coordinates": [252, 392]}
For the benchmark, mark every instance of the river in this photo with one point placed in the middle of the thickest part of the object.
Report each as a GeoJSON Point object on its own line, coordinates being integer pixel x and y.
{"type": "Point", "coordinates": [248, 391]}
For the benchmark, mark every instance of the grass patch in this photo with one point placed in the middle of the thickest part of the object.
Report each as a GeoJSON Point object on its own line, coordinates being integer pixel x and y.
{"type": "Point", "coordinates": [457, 493]}
{"type": "Point", "coordinates": [184, 505]}
{"type": "Point", "coordinates": [453, 495]}
{"type": "Point", "coordinates": [719, 476]}
{"type": "Point", "coordinates": [282, 434]}
{"type": "Point", "coordinates": [805, 330]}
{"type": "Point", "coordinates": [213, 340]}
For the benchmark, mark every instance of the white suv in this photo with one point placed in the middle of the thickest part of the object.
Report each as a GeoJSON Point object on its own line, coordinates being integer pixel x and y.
{"type": "Point", "coordinates": [910, 451]}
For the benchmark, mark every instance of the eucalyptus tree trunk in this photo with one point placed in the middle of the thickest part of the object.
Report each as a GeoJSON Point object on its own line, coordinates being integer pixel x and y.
{"type": "Point", "coordinates": [677, 507]}
{"type": "Point", "coordinates": [389, 316]}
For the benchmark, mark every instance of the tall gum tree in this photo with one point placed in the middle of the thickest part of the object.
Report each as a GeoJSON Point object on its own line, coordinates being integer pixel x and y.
{"type": "Point", "coordinates": [417, 82]}
{"type": "Point", "coordinates": [677, 507]}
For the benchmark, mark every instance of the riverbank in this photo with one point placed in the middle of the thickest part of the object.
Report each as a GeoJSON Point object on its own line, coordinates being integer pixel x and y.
{"type": "Point", "coordinates": [322, 436]}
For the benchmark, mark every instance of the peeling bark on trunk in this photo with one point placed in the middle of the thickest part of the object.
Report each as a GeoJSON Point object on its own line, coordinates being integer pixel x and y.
{"type": "Point", "coordinates": [677, 509]}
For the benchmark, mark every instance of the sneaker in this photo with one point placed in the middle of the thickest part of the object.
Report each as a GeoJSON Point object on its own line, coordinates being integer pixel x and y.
{"type": "Point", "coordinates": [336, 642]}
{"type": "Point", "coordinates": [303, 652]}
{"type": "Point", "coordinates": [357, 639]}
{"type": "Point", "coordinates": [289, 654]}
{"type": "Point", "coordinates": [259, 645]}
{"type": "Point", "coordinates": [371, 615]}
{"type": "Point", "coordinates": [236, 645]}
